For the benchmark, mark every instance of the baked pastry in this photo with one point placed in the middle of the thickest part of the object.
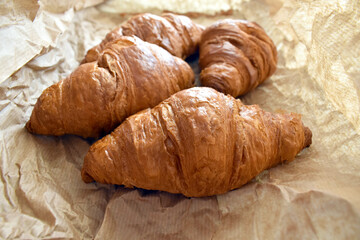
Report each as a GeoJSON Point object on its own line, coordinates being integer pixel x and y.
{"type": "Point", "coordinates": [236, 56]}
{"type": "Point", "coordinates": [175, 33]}
{"type": "Point", "coordinates": [129, 75]}
{"type": "Point", "coordinates": [199, 142]}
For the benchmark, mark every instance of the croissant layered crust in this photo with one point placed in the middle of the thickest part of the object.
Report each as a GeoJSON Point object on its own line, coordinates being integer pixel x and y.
{"type": "Point", "coordinates": [236, 56]}
{"type": "Point", "coordinates": [128, 76]}
{"type": "Point", "coordinates": [177, 34]}
{"type": "Point", "coordinates": [198, 142]}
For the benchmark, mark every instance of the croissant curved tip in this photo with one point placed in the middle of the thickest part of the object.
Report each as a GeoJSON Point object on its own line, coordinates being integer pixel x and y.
{"type": "Point", "coordinates": [28, 127]}
{"type": "Point", "coordinates": [86, 177]}
{"type": "Point", "coordinates": [308, 137]}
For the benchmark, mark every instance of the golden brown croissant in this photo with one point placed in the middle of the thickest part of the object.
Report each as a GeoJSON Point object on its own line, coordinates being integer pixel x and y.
{"type": "Point", "coordinates": [198, 142]}
{"type": "Point", "coordinates": [130, 75]}
{"type": "Point", "coordinates": [175, 33]}
{"type": "Point", "coordinates": [236, 56]}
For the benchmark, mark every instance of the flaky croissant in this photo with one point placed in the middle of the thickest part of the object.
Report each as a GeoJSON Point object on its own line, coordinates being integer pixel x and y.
{"type": "Point", "coordinates": [236, 56]}
{"type": "Point", "coordinates": [175, 33]}
{"type": "Point", "coordinates": [198, 142]}
{"type": "Point", "coordinates": [129, 75]}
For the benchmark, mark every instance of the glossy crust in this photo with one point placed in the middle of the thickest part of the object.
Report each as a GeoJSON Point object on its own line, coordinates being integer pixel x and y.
{"type": "Point", "coordinates": [198, 142]}
{"type": "Point", "coordinates": [175, 33]}
{"type": "Point", "coordinates": [130, 75]}
{"type": "Point", "coordinates": [236, 56]}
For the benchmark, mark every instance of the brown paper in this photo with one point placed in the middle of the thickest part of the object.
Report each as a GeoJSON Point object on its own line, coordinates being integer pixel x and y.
{"type": "Point", "coordinates": [33, 25]}
{"type": "Point", "coordinates": [317, 196]}
{"type": "Point", "coordinates": [208, 7]}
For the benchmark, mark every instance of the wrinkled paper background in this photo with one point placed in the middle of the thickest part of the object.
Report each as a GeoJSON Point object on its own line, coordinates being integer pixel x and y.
{"type": "Point", "coordinates": [317, 196]}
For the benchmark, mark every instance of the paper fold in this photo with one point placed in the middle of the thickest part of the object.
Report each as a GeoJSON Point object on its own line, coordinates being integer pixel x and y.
{"type": "Point", "coordinates": [35, 26]}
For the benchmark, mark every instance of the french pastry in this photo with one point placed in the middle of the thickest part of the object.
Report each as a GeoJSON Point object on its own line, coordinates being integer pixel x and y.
{"type": "Point", "coordinates": [128, 76]}
{"type": "Point", "coordinates": [177, 34]}
{"type": "Point", "coordinates": [236, 56]}
{"type": "Point", "coordinates": [199, 142]}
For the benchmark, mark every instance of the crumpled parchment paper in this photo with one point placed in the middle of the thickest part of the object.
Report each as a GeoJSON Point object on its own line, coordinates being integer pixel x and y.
{"type": "Point", "coordinates": [317, 196]}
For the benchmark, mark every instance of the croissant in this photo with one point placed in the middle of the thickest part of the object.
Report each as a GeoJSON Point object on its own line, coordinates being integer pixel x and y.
{"type": "Point", "coordinates": [130, 75]}
{"type": "Point", "coordinates": [236, 56]}
{"type": "Point", "coordinates": [199, 142]}
{"type": "Point", "coordinates": [175, 33]}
